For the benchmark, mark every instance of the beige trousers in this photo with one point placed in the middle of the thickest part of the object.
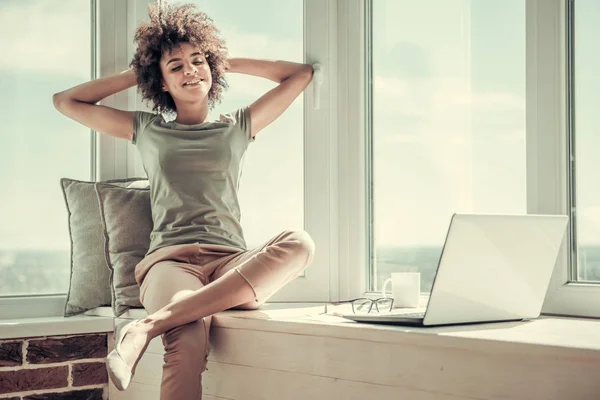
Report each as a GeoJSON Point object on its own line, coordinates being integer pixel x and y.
{"type": "Point", "coordinates": [174, 271]}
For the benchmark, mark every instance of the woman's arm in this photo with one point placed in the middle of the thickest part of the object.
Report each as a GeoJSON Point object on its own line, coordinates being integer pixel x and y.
{"type": "Point", "coordinates": [277, 71]}
{"type": "Point", "coordinates": [292, 77]}
{"type": "Point", "coordinates": [79, 104]}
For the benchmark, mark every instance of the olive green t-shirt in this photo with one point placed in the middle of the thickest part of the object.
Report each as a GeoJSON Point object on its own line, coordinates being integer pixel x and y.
{"type": "Point", "coordinates": [194, 173]}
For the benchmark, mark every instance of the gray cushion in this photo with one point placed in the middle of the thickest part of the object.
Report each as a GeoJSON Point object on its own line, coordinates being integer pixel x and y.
{"type": "Point", "coordinates": [127, 221]}
{"type": "Point", "coordinates": [89, 285]}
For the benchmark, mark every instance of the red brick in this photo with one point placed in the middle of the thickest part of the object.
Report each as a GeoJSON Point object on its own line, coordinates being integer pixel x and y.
{"type": "Point", "coordinates": [90, 394]}
{"type": "Point", "coordinates": [89, 374]}
{"type": "Point", "coordinates": [33, 379]}
{"type": "Point", "coordinates": [54, 350]}
{"type": "Point", "coordinates": [11, 354]}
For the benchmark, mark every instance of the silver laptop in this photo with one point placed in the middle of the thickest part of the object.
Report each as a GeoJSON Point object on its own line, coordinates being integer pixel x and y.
{"type": "Point", "coordinates": [492, 268]}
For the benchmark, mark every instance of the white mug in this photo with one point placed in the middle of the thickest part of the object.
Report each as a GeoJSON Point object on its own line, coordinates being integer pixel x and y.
{"type": "Point", "coordinates": [406, 288]}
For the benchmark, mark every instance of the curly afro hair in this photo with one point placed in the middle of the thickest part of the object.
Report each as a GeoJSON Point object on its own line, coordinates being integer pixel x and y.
{"type": "Point", "coordinates": [169, 26]}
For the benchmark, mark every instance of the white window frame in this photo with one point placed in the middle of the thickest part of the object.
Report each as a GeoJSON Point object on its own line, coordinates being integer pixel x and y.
{"type": "Point", "coordinates": [547, 146]}
{"type": "Point", "coordinates": [547, 150]}
{"type": "Point", "coordinates": [320, 153]}
{"type": "Point", "coordinates": [336, 146]}
{"type": "Point", "coordinates": [115, 158]}
{"type": "Point", "coordinates": [111, 53]}
{"type": "Point", "coordinates": [320, 150]}
{"type": "Point", "coordinates": [351, 274]}
{"type": "Point", "coordinates": [335, 188]}
{"type": "Point", "coordinates": [117, 23]}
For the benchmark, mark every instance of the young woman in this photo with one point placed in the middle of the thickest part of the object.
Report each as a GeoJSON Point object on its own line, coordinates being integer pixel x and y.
{"type": "Point", "coordinates": [198, 263]}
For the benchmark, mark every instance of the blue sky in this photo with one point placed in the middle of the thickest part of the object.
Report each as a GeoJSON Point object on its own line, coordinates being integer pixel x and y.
{"type": "Point", "coordinates": [449, 119]}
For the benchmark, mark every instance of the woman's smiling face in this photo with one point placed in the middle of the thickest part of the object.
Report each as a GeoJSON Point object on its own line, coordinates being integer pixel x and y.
{"type": "Point", "coordinates": [186, 74]}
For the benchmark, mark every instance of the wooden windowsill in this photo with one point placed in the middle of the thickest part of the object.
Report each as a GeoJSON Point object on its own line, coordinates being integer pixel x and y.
{"type": "Point", "coordinates": [306, 319]}
{"type": "Point", "coordinates": [577, 333]}
{"type": "Point", "coordinates": [281, 351]}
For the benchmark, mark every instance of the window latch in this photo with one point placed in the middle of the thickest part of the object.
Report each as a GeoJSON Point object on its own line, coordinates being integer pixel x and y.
{"type": "Point", "coordinates": [316, 82]}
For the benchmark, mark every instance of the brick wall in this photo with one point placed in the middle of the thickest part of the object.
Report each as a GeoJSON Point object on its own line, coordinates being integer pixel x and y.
{"type": "Point", "coordinates": [54, 368]}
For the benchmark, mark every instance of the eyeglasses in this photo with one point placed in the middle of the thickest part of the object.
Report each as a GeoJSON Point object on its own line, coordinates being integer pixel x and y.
{"type": "Point", "coordinates": [364, 305]}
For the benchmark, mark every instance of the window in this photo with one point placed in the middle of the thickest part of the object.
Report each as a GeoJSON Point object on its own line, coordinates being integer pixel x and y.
{"type": "Point", "coordinates": [272, 186]}
{"type": "Point", "coordinates": [447, 94]}
{"type": "Point", "coordinates": [46, 48]}
{"type": "Point", "coordinates": [287, 174]}
{"type": "Point", "coordinates": [585, 141]}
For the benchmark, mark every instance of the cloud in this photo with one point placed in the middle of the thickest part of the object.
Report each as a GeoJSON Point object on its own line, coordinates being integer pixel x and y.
{"type": "Point", "coordinates": [441, 111]}
{"type": "Point", "coordinates": [48, 38]}
{"type": "Point", "coordinates": [247, 44]}
{"type": "Point", "coordinates": [448, 95]}
{"type": "Point", "coordinates": [406, 59]}
{"type": "Point", "coordinates": [440, 138]}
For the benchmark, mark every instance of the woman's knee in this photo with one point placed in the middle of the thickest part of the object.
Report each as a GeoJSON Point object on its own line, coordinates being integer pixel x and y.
{"type": "Point", "coordinates": [301, 242]}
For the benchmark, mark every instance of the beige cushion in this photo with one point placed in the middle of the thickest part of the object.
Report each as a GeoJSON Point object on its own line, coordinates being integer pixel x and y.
{"type": "Point", "coordinates": [127, 223]}
{"type": "Point", "coordinates": [89, 283]}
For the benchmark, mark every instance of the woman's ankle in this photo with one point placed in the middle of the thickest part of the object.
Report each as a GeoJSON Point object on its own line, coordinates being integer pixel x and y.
{"type": "Point", "coordinates": [153, 325]}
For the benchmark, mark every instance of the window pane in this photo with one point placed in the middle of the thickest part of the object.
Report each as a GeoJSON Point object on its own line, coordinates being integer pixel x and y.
{"type": "Point", "coordinates": [46, 48]}
{"type": "Point", "coordinates": [587, 140]}
{"type": "Point", "coordinates": [272, 186]}
{"type": "Point", "coordinates": [448, 97]}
